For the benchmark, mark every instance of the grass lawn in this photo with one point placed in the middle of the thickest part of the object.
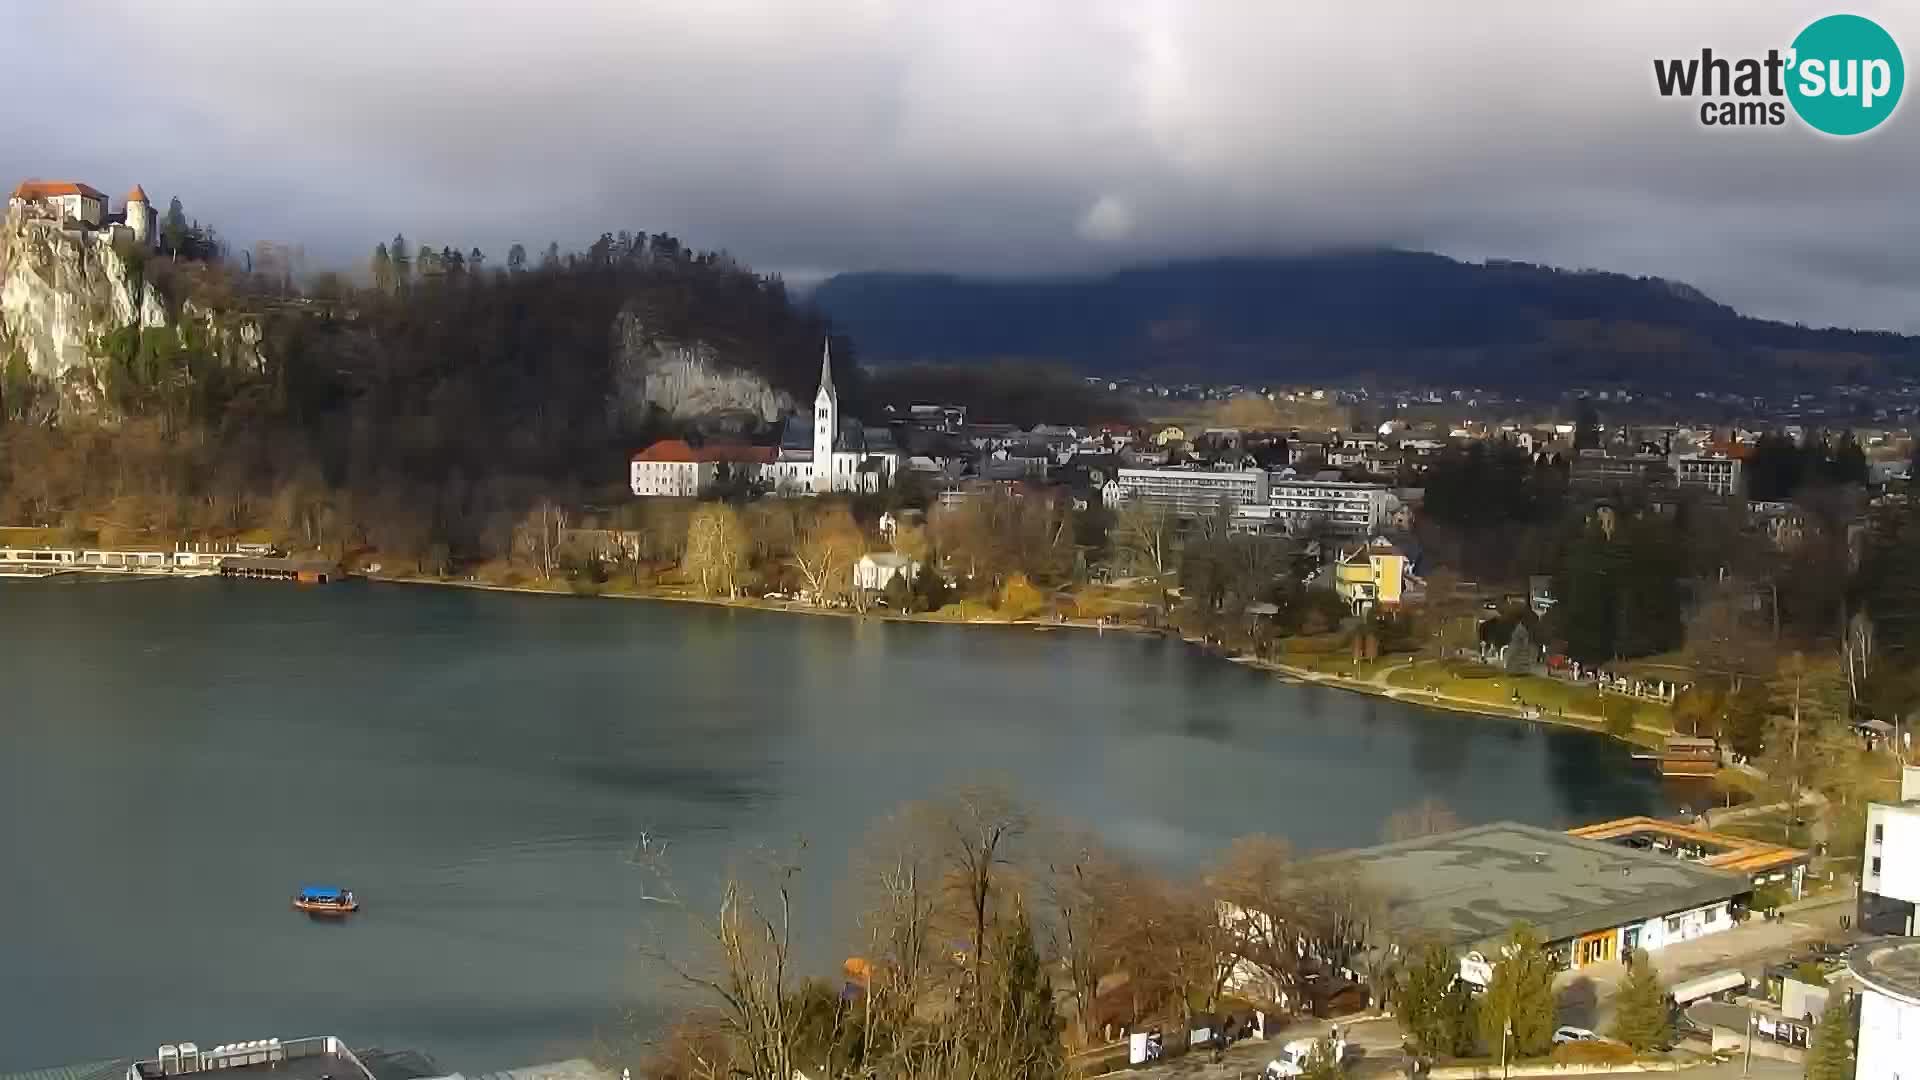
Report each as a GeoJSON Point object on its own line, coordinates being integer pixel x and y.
{"type": "Point", "coordinates": [1774, 826]}
{"type": "Point", "coordinates": [1491, 686]}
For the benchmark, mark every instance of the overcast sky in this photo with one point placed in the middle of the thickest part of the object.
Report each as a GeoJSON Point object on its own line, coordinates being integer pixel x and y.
{"type": "Point", "coordinates": [812, 136]}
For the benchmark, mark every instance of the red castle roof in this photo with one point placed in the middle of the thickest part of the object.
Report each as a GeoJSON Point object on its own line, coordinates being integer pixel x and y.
{"type": "Point", "coordinates": [48, 189]}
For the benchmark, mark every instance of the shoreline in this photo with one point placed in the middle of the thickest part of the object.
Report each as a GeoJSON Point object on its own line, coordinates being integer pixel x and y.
{"type": "Point", "coordinates": [1377, 688]}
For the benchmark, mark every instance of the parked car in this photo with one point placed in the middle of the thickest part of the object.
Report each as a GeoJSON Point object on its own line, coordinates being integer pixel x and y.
{"type": "Point", "coordinates": [1571, 1034]}
{"type": "Point", "coordinates": [1295, 1055]}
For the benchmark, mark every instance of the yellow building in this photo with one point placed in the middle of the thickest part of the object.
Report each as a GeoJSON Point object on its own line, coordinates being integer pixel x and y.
{"type": "Point", "coordinates": [1371, 573]}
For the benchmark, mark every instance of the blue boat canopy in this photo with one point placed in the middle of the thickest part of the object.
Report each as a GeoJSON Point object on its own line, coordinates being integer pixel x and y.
{"type": "Point", "coordinates": [320, 892]}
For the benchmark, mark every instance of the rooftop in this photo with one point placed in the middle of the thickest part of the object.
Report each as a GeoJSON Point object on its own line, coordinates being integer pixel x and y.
{"type": "Point", "coordinates": [1728, 852]}
{"type": "Point", "coordinates": [681, 450]}
{"type": "Point", "coordinates": [47, 189]}
{"type": "Point", "coordinates": [1471, 885]}
{"type": "Point", "coordinates": [318, 1058]}
{"type": "Point", "coordinates": [1890, 966]}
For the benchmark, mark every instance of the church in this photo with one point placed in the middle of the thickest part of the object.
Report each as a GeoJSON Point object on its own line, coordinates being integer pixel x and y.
{"type": "Point", "coordinates": [825, 454]}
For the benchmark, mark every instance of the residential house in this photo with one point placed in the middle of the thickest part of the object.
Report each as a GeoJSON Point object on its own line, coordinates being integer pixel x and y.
{"type": "Point", "coordinates": [1372, 574]}
{"type": "Point", "coordinates": [876, 570]}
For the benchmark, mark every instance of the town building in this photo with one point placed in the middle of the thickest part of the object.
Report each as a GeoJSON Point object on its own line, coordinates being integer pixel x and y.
{"type": "Point", "coordinates": [876, 570]}
{"type": "Point", "coordinates": [1193, 493]}
{"type": "Point", "coordinates": [1711, 472]}
{"type": "Point", "coordinates": [673, 468]}
{"type": "Point", "coordinates": [1342, 507]}
{"type": "Point", "coordinates": [1890, 871]}
{"type": "Point", "coordinates": [1371, 574]}
{"type": "Point", "coordinates": [1594, 902]}
{"type": "Point", "coordinates": [1597, 468]}
{"type": "Point", "coordinates": [1888, 1045]}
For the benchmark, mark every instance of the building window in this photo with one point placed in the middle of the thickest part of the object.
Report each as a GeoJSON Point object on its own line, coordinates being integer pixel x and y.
{"type": "Point", "coordinates": [1874, 868]}
{"type": "Point", "coordinates": [1879, 832]}
{"type": "Point", "coordinates": [1673, 924]}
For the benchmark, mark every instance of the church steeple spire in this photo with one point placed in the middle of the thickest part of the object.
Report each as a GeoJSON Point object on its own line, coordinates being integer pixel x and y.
{"type": "Point", "coordinates": [826, 424]}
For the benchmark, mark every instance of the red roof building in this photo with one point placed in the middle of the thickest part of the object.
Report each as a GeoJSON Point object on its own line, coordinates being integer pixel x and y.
{"type": "Point", "coordinates": [48, 189]}
{"type": "Point", "coordinates": [679, 450]}
{"type": "Point", "coordinates": [673, 467]}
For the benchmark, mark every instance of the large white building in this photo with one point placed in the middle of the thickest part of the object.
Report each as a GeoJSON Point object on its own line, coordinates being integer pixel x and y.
{"type": "Point", "coordinates": [1717, 474]}
{"type": "Point", "coordinates": [1889, 976]}
{"type": "Point", "coordinates": [1890, 876]}
{"type": "Point", "coordinates": [818, 455]}
{"type": "Point", "coordinates": [672, 468]}
{"type": "Point", "coordinates": [1193, 493]}
{"type": "Point", "coordinates": [1345, 508]}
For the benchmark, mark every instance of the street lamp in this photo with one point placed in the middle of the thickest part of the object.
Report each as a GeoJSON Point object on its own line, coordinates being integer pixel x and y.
{"type": "Point", "coordinates": [1506, 1032]}
{"type": "Point", "coordinates": [1753, 1026]}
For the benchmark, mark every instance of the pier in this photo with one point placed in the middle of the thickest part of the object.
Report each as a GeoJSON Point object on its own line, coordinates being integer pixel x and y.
{"type": "Point", "coordinates": [184, 560]}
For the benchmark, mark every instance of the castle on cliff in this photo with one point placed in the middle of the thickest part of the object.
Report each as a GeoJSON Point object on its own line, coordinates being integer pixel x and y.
{"type": "Point", "coordinates": [77, 205]}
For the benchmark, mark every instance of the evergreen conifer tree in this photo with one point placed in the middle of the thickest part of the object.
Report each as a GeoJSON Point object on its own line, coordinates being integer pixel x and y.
{"type": "Point", "coordinates": [1642, 1020]}
{"type": "Point", "coordinates": [1520, 994]}
{"type": "Point", "coordinates": [1831, 1056]}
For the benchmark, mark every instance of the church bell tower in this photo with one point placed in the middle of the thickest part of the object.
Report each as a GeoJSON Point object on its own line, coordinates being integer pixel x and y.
{"type": "Point", "coordinates": [826, 421]}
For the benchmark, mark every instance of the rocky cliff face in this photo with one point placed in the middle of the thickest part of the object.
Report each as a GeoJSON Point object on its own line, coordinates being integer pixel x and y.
{"type": "Point", "coordinates": [684, 380]}
{"type": "Point", "coordinates": [61, 291]}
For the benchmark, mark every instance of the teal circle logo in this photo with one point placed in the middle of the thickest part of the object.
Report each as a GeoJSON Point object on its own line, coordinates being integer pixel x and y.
{"type": "Point", "coordinates": [1846, 75]}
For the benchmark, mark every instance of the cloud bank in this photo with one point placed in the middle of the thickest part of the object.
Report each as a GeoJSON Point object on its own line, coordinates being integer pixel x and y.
{"type": "Point", "coordinates": [1026, 136]}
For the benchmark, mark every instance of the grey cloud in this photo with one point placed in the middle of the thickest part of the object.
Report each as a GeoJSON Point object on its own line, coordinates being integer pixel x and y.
{"type": "Point", "coordinates": [1005, 137]}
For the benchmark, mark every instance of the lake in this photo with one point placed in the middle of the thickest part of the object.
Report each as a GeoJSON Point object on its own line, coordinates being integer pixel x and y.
{"type": "Point", "coordinates": [177, 757]}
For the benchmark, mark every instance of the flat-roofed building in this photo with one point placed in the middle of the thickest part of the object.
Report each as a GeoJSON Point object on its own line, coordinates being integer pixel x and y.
{"type": "Point", "coordinates": [1194, 493]}
{"type": "Point", "coordinates": [1593, 902]}
{"type": "Point", "coordinates": [1344, 507]}
{"type": "Point", "coordinates": [1764, 863]}
{"type": "Point", "coordinates": [1890, 876]}
{"type": "Point", "coordinates": [1713, 472]}
{"type": "Point", "coordinates": [1888, 1047]}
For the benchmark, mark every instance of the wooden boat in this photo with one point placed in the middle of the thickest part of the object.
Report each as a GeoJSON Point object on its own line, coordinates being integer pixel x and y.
{"type": "Point", "coordinates": [325, 900]}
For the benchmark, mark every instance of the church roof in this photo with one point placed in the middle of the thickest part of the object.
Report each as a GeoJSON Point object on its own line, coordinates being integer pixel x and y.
{"type": "Point", "coordinates": [826, 364]}
{"type": "Point", "coordinates": [138, 194]}
{"type": "Point", "coordinates": [47, 189]}
{"type": "Point", "coordinates": [797, 434]}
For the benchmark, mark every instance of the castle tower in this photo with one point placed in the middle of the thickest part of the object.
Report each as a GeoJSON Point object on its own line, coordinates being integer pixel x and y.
{"type": "Point", "coordinates": [826, 421]}
{"type": "Point", "coordinates": [140, 216]}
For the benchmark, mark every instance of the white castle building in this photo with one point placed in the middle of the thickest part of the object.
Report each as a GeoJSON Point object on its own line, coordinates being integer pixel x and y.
{"type": "Point", "coordinates": [72, 203]}
{"type": "Point", "coordinates": [825, 454]}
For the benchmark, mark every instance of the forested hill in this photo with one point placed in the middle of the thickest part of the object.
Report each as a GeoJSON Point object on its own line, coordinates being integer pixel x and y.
{"type": "Point", "coordinates": [425, 412]}
{"type": "Point", "coordinates": [1390, 313]}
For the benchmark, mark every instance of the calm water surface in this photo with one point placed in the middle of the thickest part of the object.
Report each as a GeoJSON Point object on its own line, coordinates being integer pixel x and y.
{"type": "Point", "coordinates": [176, 757]}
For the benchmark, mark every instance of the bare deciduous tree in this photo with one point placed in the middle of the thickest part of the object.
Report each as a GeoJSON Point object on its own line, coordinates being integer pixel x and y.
{"type": "Point", "coordinates": [1428, 817]}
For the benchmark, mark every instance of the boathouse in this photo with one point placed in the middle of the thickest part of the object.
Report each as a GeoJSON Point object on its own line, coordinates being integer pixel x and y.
{"type": "Point", "coordinates": [307, 571]}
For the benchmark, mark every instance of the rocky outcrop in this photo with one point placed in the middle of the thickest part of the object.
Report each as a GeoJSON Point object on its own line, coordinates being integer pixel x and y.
{"type": "Point", "coordinates": [233, 339]}
{"type": "Point", "coordinates": [684, 380]}
{"type": "Point", "coordinates": [62, 290]}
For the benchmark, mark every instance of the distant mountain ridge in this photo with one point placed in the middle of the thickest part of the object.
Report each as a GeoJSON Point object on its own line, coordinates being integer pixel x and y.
{"type": "Point", "coordinates": [1396, 314]}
